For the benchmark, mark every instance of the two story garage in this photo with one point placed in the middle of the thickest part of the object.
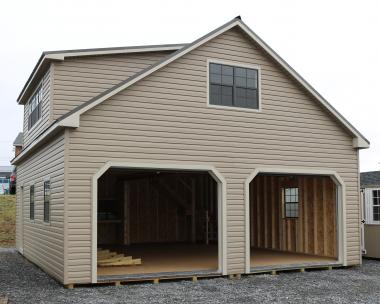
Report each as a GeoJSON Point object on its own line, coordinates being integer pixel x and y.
{"type": "Point", "coordinates": [204, 159]}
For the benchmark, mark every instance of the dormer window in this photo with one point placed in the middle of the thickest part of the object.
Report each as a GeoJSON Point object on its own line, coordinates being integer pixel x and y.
{"type": "Point", "coordinates": [233, 86]}
{"type": "Point", "coordinates": [34, 107]}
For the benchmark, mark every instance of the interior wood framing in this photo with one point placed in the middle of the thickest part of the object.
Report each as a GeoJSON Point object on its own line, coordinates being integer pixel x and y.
{"type": "Point", "coordinates": [154, 208]}
{"type": "Point", "coordinates": [314, 232]}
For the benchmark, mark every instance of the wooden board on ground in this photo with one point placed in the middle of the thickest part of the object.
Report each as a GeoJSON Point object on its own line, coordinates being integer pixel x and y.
{"type": "Point", "coordinates": [107, 255]}
{"type": "Point", "coordinates": [111, 259]}
{"type": "Point", "coordinates": [3, 300]}
{"type": "Point", "coordinates": [122, 262]}
{"type": "Point", "coordinates": [117, 258]}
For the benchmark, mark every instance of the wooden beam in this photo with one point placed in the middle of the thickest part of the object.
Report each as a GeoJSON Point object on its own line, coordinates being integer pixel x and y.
{"type": "Point", "coordinates": [122, 262]}
{"type": "Point", "coordinates": [315, 215]}
{"type": "Point", "coordinates": [326, 237]}
{"type": "Point", "coordinates": [126, 217]}
{"type": "Point", "coordinates": [193, 218]}
{"type": "Point", "coordinates": [116, 258]}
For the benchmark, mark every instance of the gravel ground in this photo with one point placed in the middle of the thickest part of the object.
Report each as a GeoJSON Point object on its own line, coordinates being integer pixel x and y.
{"type": "Point", "coordinates": [23, 282]}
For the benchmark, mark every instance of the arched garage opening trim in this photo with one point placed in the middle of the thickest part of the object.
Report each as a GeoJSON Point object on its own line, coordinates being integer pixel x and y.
{"type": "Point", "coordinates": [341, 206]}
{"type": "Point", "coordinates": [217, 176]}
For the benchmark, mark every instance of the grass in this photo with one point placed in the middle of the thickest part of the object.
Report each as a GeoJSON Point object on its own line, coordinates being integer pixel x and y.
{"type": "Point", "coordinates": [7, 220]}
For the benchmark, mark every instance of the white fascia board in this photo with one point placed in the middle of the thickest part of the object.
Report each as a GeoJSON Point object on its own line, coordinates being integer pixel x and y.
{"type": "Point", "coordinates": [71, 121]}
{"type": "Point", "coordinates": [360, 143]}
{"type": "Point", "coordinates": [118, 51]}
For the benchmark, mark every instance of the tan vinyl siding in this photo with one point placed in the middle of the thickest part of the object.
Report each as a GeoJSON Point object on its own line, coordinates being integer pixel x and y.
{"type": "Point", "coordinates": [43, 242]}
{"type": "Point", "coordinates": [43, 122]}
{"type": "Point", "coordinates": [164, 118]}
{"type": "Point", "coordinates": [77, 80]}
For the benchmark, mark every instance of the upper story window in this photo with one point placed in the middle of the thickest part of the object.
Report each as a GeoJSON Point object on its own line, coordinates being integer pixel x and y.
{"type": "Point", "coordinates": [376, 204]}
{"type": "Point", "coordinates": [34, 107]}
{"type": "Point", "coordinates": [234, 86]}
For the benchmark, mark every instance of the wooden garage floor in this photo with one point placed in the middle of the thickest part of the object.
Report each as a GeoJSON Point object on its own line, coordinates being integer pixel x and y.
{"type": "Point", "coordinates": [167, 258]}
{"type": "Point", "coordinates": [267, 257]}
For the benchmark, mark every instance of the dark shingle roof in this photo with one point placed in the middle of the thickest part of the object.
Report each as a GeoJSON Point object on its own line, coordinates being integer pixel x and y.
{"type": "Point", "coordinates": [19, 139]}
{"type": "Point", "coordinates": [368, 179]}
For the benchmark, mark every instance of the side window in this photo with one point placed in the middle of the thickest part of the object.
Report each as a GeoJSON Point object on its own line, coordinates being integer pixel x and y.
{"type": "Point", "coordinates": [47, 196]}
{"type": "Point", "coordinates": [376, 204]}
{"type": "Point", "coordinates": [31, 202]}
{"type": "Point", "coordinates": [291, 202]}
{"type": "Point", "coordinates": [34, 107]}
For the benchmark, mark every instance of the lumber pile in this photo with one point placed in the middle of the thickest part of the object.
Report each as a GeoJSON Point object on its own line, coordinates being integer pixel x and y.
{"type": "Point", "coordinates": [110, 258]}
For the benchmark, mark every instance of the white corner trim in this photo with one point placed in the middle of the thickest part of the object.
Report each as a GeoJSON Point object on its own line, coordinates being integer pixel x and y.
{"type": "Point", "coordinates": [341, 202]}
{"type": "Point", "coordinates": [59, 57]}
{"type": "Point", "coordinates": [222, 204]}
{"type": "Point", "coordinates": [71, 121]}
{"type": "Point", "coordinates": [359, 142]}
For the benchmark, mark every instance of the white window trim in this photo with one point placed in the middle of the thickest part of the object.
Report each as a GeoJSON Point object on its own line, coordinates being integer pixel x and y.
{"type": "Point", "coordinates": [239, 65]}
{"type": "Point", "coordinates": [368, 201]}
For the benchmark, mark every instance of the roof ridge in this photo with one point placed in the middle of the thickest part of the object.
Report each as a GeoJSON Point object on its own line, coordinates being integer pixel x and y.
{"type": "Point", "coordinates": [116, 48]}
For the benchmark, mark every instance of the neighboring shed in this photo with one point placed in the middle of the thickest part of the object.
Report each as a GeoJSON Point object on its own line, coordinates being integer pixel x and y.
{"type": "Point", "coordinates": [370, 189]}
{"type": "Point", "coordinates": [5, 173]}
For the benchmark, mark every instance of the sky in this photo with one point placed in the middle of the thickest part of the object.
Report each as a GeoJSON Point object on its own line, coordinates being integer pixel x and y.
{"type": "Point", "coordinates": [334, 45]}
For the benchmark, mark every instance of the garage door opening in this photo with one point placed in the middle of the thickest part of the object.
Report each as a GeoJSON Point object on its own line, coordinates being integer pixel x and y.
{"type": "Point", "coordinates": [156, 221]}
{"type": "Point", "coordinates": [293, 221]}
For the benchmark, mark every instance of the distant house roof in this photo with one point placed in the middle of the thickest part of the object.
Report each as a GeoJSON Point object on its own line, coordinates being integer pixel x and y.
{"type": "Point", "coordinates": [6, 171]}
{"type": "Point", "coordinates": [19, 139]}
{"type": "Point", "coordinates": [370, 179]}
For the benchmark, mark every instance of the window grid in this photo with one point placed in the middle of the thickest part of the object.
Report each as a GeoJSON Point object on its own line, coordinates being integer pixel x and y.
{"type": "Point", "coordinates": [47, 195]}
{"type": "Point", "coordinates": [31, 202]}
{"type": "Point", "coordinates": [35, 108]}
{"type": "Point", "coordinates": [376, 204]}
{"type": "Point", "coordinates": [233, 86]}
{"type": "Point", "coordinates": [291, 202]}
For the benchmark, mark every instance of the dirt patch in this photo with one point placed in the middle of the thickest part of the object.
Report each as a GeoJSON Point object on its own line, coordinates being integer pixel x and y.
{"type": "Point", "coordinates": [7, 220]}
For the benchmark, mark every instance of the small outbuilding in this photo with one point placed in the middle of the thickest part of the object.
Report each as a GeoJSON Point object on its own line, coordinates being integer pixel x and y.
{"type": "Point", "coordinates": [370, 193]}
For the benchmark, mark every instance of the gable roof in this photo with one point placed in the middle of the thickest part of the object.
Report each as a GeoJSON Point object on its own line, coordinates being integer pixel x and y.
{"type": "Point", "coordinates": [370, 179]}
{"type": "Point", "coordinates": [49, 56]}
{"type": "Point", "coordinates": [72, 118]}
{"type": "Point", "coordinates": [19, 140]}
